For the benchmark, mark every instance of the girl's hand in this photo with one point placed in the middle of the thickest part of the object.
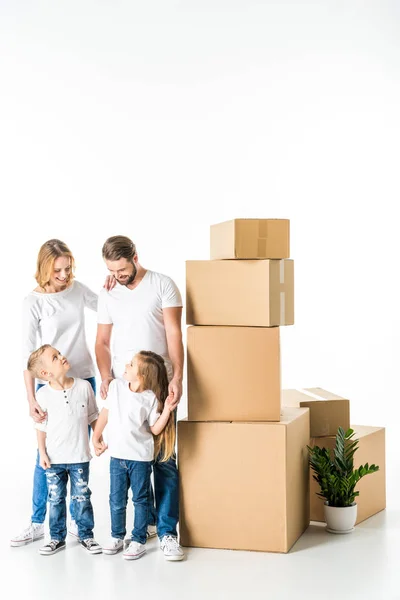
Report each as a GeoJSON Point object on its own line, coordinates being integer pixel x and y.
{"type": "Point", "coordinates": [45, 461]}
{"type": "Point", "coordinates": [110, 283]}
{"type": "Point", "coordinates": [99, 446]}
{"type": "Point", "coordinates": [170, 403]}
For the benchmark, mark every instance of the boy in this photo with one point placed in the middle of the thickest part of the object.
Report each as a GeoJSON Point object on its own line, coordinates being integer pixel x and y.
{"type": "Point", "coordinates": [64, 445]}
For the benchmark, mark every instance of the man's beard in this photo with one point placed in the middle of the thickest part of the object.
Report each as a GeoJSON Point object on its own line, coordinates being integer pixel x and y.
{"type": "Point", "coordinates": [131, 278]}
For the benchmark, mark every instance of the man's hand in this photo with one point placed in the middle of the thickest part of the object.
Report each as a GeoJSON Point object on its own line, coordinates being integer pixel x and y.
{"type": "Point", "coordinates": [110, 283]}
{"type": "Point", "coordinates": [104, 387]}
{"type": "Point", "coordinates": [99, 446]}
{"type": "Point", "coordinates": [45, 461]}
{"type": "Point", "coordinates": [175, 389]}
{"type": "Point", "coordinates": [36, 412]}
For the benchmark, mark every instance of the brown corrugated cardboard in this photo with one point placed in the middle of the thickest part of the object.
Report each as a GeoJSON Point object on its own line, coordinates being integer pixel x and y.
{"type": "Point", "coordinates": [257, 293]}
{"type": "Point", "coordinates": [250, 238]}
{"type": "Point", "coordinates": [328, 411]}
{"type": "Point", "coordinates": [372, 488]}
{"type": "Point", "coordinates": [233, 373]}
{"type": "Point", "coordinates": [244, 486]}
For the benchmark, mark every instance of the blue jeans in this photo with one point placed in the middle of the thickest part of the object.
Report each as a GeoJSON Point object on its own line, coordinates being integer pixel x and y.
{"type": "Point", "coordinates": [39, 495]}
{"type": "Point", "coordinates": [136, 475]}
{"type": "Point", "coordinates": [165, 513]}
{"type": "Point", "coordinates": [57, 478]}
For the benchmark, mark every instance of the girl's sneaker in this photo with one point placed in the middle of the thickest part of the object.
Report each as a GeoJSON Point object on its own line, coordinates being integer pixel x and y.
{"type": "Point", "coordinates": [134, 551]}
{"type": "Point", "coordinates": [151, 531]}
{"type": "Point", "coordinates": [91, 546]}
{"type": "Point", "coordinates": [35, 531]}
{"type": "Point", "coordinates": [52, 547]}
{"type": "Point", "coordinates": [171, 548]}
{"type": "Point", "coordinates": [113, 546]}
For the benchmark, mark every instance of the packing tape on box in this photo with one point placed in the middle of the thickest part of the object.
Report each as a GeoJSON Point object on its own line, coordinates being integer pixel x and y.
{"type": "Point", "coordinates": [311, 394]}
{"type": "Point", "coordinates": [282, 294]}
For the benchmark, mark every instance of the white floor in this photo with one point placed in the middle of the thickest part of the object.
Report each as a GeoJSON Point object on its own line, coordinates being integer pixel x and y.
{"type": "Point", "coordinates": [364, 564]}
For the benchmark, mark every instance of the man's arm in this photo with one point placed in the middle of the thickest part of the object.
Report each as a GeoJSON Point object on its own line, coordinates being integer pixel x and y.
{"type": "Point", "coordinates": [103, 356]}
{"type": "Point", "coordinates": [173, 330]}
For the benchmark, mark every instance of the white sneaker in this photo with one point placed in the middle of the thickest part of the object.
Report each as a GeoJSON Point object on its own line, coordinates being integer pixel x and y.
{"type": "Point", "coordinates": [35, 531]}
{"type": "Point", "coordinates": [171, 548]}
{"type": "Point", "coordinates": [134, 551]}
{"type": "Point", "coordinates": [151, 531]}
{"type": "Point", "coordinates": [113, 546]}
{"type": "Point", "coordinates": [73, 529]}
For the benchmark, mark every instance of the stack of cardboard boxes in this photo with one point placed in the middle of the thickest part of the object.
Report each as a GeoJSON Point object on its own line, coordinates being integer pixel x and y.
{"type": "Point", "coordinates": [242, 461]}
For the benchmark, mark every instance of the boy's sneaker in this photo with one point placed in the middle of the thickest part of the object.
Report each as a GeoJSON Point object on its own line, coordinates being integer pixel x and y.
{"type": "Point", "coordinates": [73, 529]}
{"type": "Point", "coordinates": [91, 546]}
{"type": "Point", "coordinates": [113, 546]}
{"type": "Point", "coordinates": [52, 547]}
{"type": "Point", "coordinates": [134, 551]}
{"type": "Point", "coordinates": [35, 531]}
{"type": "Point", "coordinates": [151, 531]}
{"type": "Point", "coordinates": [171, 548]}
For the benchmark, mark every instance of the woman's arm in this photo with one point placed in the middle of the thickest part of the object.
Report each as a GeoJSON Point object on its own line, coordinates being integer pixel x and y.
{"type": "Point", "coordinates": [30, 324]}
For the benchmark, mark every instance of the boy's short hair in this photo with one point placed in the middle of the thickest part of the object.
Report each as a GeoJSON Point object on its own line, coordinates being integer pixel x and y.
{"type": "Point", "coordinates": [34, 361]}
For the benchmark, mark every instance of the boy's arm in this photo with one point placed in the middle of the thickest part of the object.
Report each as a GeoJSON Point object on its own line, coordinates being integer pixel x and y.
{"type": "Point", "coordinates": [44, 459]}
{"type": "Point", "coordinates": [100, 423]}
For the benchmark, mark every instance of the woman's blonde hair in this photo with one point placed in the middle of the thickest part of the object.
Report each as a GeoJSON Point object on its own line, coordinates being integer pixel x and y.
{"type": "Point", "coordinates": [152, 371]}
{"type": "Point", "coordinates": [48, 253]}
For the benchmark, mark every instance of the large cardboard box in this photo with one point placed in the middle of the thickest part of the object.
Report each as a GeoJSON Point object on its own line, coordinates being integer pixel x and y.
{"type": "Point", "coordinates": [372, 488]}
{"type": "Point", "coordinates": [250, 238]}
{"type": "Point", "coordinates": [257, 293]}
{"type": "Point", "coordinates": [328, 411]}
{"type": "Point", "coordinates": [244, 486]}
{"type": "Point", "coordinates": [233, 373]}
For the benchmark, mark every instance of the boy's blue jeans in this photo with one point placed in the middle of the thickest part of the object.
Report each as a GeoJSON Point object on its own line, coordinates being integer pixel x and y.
{"type": "Point", "coordinates": [57, 478]}
{"type": "Point", "coordinates": [39, 495]}
{"type": "Point", "coordinates": [125, 474]}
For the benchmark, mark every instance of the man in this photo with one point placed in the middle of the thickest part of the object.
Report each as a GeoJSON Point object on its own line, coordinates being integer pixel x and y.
{"type": "Point", "coordinates": [143, 312]}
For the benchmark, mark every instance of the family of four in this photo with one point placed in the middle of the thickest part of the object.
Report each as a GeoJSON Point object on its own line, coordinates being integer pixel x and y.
{"type": "Point", "coordinates": [141, 385]}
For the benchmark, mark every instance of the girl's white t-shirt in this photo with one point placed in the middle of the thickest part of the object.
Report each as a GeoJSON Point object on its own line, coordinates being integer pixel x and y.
{"type": "Point", "coordinates": [137, 318]}
{"type": "Point", "coordinates": [130, 416]}
{"type": "Point", "coordinates": [59, 320]}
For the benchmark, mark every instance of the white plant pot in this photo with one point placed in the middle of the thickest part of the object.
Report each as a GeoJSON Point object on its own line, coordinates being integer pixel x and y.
{"type": "Point", "coordinates": [340, 519]}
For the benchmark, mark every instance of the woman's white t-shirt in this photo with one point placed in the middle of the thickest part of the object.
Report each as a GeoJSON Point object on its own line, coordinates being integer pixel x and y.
{"type": "Point", "coordinates": [130, 416]}
{"type": "Point", "coordinates": [137, 318]}
{"type": "Point", "coordinates": [59, 320]}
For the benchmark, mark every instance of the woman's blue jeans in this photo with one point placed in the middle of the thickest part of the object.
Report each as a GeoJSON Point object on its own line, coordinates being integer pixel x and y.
{"type": "Point", "coordinates": [39, 495]}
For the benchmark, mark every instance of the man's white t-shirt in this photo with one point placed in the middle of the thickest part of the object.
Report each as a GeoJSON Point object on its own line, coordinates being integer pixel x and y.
{"type": "Point", "coordinates": [130, 416]}
{"type": "Point", "coordinates": [137, 318]}
{"type": "Point", "coordinates": [69, 412]}
{"type": "Point", "coordinates": [59, 320]}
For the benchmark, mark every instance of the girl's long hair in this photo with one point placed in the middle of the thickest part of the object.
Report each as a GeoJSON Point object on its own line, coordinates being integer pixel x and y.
{"type": "Point", "coordinates": [48, 253]}
{"type": "Point", "coordinates": [151, 368]}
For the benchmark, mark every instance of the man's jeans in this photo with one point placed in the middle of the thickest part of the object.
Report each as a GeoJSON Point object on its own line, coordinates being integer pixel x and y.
{"type": "Point", "coordinates": [39, 496]}
{"type": "Point", "coordinates": [57, 478]}
{"type": "Point", "coordinates": [136, 475]}
{"type": "Point", "coordinates": [166, 485]}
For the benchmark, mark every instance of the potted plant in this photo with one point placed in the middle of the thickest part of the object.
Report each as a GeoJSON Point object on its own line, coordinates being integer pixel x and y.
{"type": "Point", "coordinates": [335, 474]}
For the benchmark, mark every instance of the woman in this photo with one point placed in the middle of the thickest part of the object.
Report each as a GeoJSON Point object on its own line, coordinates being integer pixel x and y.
{"type": "Point", "coordinates": [54, 314]}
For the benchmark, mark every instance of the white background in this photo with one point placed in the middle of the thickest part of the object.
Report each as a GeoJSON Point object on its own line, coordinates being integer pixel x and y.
{"type": "Point", "coordinates": [155, 119]}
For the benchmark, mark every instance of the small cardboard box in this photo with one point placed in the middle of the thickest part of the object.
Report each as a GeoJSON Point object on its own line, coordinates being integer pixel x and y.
{"type": "Point", "coordinates": [372, 488]}
{"type": "Point", "coordinates": [250, 238]}
{"type": "Point", "coordinates": [244, 486]}
{"type": "Point", "coordinates": [233, 374]}
{"type": "Point", "coordinates": [328, 411]}
{"type": "Point", "coordinates": [254, 293]}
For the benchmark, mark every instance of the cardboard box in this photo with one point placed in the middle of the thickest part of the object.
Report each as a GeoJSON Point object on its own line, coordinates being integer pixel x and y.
{"type": "Point", "coordinates": [233, 374]}
{"type": "Point", "coordinates": [257, 293]}
{"type": "Point", "coordinates": [250, 238]}
{"type": "Point", "coordinates": [372, 488]}
{"type": "Point", "coordinates": [328, 411]}
{"type": "Point", "coordinates": [244, 486]}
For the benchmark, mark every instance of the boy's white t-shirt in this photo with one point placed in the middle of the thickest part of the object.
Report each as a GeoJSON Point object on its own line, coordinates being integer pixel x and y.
{"type": "Point", "coordinates": [130, 416]}
{"type": "Point", "coordinates": [69, 412]}
{"type": "Point", "coordinates": [59, 320]}
{"type": "Point", "coordinates": [137, 318]}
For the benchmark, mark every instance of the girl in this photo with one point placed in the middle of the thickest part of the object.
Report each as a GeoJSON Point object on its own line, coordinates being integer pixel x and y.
{"type": "Point", "coordinates": [54, 313]}
{"type": "Point", "coordinates": [137, 407]}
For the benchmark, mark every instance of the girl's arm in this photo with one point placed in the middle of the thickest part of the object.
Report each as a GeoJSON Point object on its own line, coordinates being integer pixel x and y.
{"type": "Point", "coordinates": [160, 424]}
{"type": "Point", "coordinates": [98, 444]}
{"type": "Point", "coordinates": [44, 459]}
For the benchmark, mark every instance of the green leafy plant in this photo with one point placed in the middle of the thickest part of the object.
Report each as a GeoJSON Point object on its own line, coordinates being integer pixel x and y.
{"type": "Point", "coordinates": [334, 471]}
